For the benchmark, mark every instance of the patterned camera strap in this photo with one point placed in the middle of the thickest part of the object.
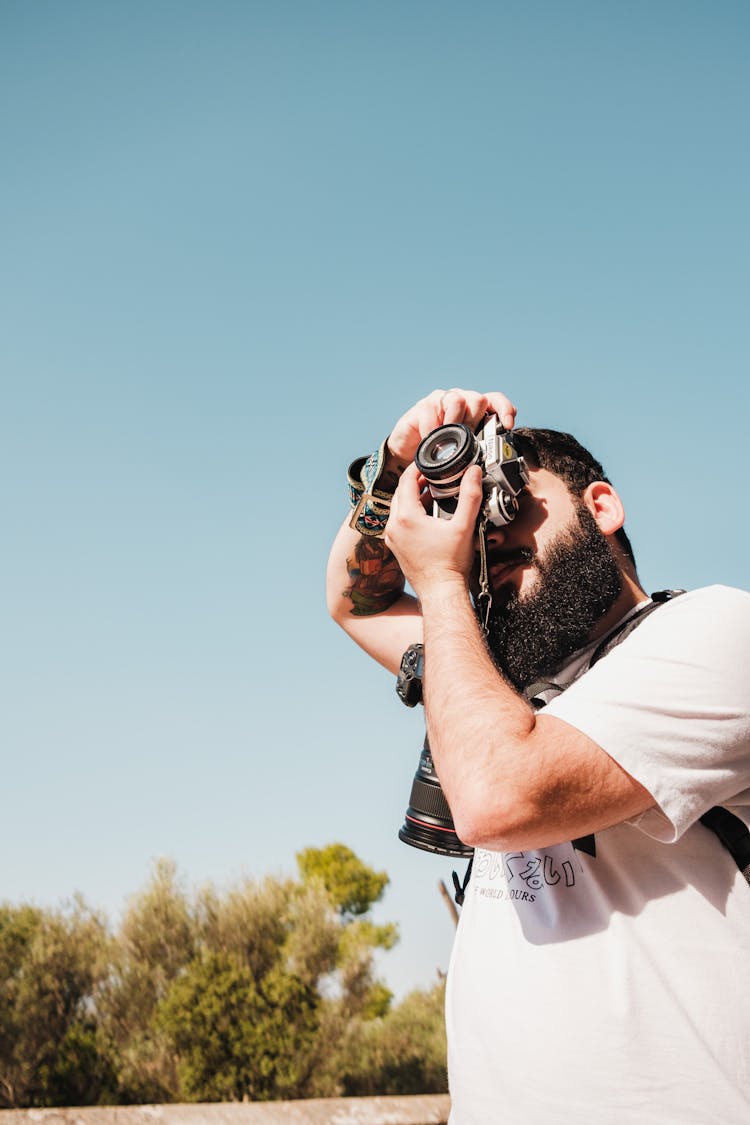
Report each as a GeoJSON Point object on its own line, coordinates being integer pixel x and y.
{"type": "Point", "coordinates": [370, 505]}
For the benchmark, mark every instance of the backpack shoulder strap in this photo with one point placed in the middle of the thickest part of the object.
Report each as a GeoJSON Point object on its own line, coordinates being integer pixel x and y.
{"type": "Point", "coordinates": [619, 634]}
{"type": "Point", "coordinates": [733, 833]}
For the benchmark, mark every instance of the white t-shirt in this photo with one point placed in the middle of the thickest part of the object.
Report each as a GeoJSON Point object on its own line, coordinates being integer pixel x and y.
{"type": "Point", "coordinates": [615, 989]}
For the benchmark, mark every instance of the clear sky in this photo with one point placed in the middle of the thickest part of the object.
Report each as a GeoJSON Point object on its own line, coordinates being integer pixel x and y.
{"type": "Point", "coordinates": [238, 241]}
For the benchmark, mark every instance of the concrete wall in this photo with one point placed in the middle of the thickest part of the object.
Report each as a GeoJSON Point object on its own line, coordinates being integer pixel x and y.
{"type": "Point", "coordinates": [427, 1109]}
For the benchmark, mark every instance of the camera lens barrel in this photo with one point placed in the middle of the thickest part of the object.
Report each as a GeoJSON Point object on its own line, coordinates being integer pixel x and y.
{"type": "Point", "coordinates": [445, 454]}
{"type": "Point", "coordinates": [428, 823]}
{"type": "Point", "coordinates": [442, 458]}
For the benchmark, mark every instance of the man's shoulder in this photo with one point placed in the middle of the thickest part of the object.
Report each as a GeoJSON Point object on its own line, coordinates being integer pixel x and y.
{"type": "Point", "coordinates": [705, 621]}
{"type": "Point", "coordinates": [685, 661]}
{"type": "Point", "coordinates": [717, 591]}
{"type": "Point", "coordinates": [709, 599]}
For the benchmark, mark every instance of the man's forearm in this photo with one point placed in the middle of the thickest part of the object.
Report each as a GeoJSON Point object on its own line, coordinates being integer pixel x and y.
{"type": "Point", "coordinates": [365, 586]}
{"type": "Point", "coordinates": [513, 780]}
{"type": "Point", "coordinates": [364, 577]}
{"type": "Point", "coordinates": [375, 578]}
{"type": "Point", "coordinates": [365, 591]}
{"type": "Point", "coordinates": [365, 594]}
{"type": "Point", "coordinates": [478, 725]}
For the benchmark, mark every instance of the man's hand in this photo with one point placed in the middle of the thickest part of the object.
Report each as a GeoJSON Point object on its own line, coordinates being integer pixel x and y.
{"type": "Point", "coordinates": [365, 585]}
{"type": "Point", "coordinates": [440, 408]}
{"type": "Point", "coordinates": [434, 552]}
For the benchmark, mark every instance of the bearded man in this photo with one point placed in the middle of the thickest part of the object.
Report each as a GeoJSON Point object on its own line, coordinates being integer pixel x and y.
{"type": "Point", "coordinates": [602, 962]}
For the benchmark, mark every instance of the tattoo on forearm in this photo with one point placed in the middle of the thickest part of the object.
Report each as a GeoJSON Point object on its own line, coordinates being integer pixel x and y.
{"type": "Point", "coordinates": [377, 581]}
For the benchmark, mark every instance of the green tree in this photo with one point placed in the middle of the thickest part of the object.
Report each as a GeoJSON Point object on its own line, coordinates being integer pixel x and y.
{"type": "Point", "coordinates": [267, 990]}
{"type": "Point", "coordinates": [251, 922]}
{"type": "Point", "coordinates": [51, 967]}
{"type": "Point", "coordinates": [338, 891]}
{"type": "Point", "coordinates": [353, 886]}
{"type": "Point", "coordinates": [404, 1052]}
{"type": "Point", "coordinates": [237, 1037]}
{"type": "Point", "coordinates": [156, 941]}
{"type": "Point", "coordinates": [306, 942]}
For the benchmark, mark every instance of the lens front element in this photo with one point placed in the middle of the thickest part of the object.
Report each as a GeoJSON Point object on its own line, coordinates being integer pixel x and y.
{"type": "Point", "coordinates": [446, 452]}
{"type": "Point", "coordinates": [428, 823]}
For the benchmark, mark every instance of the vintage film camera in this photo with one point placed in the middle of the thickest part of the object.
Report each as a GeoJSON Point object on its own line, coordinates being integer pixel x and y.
{"type": "Point", "coordinates": [443, 457]}
{"type": "Point", "coordinates": [445, 454]}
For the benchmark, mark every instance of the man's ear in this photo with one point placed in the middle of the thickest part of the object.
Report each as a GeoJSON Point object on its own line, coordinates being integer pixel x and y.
{"type": "Point", "coordinates": [605, 506]}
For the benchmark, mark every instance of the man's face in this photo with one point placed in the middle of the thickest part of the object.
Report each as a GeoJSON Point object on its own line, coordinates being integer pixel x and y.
{"type": "Point", "coordinates": [553, 578]}
{"type": "Point", "coordinates": [547, 509]}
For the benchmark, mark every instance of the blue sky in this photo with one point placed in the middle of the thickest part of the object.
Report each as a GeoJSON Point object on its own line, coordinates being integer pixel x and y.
{"type": "Point", "coordinates": [239, 239]}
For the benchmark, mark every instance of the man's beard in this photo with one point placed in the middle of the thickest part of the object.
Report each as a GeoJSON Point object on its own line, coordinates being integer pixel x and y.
{"type": "Point", "coordinates": [578, 581]}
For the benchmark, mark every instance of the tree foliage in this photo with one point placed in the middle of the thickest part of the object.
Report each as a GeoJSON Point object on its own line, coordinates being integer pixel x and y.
{"type": "Point", "coordinates": [352, 886]}
{"type": "Point", "coordinates": [236, 1036]}
{"type": "Point", "coordinates": [267, 990]}
{"type": "Point", "coordinates": [402, 1053]}
{"type": "Point", "coordinates": [52, 1050]}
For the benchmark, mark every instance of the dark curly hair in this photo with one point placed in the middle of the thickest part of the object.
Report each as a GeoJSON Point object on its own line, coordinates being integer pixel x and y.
{"type": "Point", "coordinates": [562, 454]}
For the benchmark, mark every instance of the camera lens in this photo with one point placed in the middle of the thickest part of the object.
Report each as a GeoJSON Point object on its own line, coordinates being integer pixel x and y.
{"type": "Point", "coordinates": [428, 823]}
{"type": "Point", "coordinates": [446, 453]}
{"type": "Point", "coordinates": [444, 449]}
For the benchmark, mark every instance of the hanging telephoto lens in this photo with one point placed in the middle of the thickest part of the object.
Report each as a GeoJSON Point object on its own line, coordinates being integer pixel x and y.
{"type": "Point", "coordinates": [428, 823]}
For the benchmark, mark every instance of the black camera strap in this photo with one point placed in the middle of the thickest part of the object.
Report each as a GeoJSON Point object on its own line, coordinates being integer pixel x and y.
{"type": "Point", "coordinates": [460, 885]}
{"type": "Point", "coordinates": [733, 833]}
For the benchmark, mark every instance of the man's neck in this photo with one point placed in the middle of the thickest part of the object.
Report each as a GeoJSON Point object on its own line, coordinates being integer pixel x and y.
{"type": "Point", "coordinates": [632, 594]}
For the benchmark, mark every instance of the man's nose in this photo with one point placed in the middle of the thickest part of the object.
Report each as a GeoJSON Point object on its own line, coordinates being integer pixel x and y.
{"type": "Point", "coordinates": [496, 536]}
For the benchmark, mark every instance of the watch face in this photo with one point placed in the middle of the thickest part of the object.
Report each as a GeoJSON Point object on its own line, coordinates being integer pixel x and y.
{"type": "Point", "coordinates": [413, 659]}
{"type": "Point", "coordinates": [409, 682]}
